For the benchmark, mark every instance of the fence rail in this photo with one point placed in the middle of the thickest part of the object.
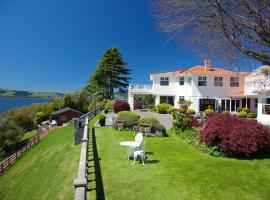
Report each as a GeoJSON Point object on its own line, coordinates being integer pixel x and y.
{"type": "Point", "coordinates": [12, 158]}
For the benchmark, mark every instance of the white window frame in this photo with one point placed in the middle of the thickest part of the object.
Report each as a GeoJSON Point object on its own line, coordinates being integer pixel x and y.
{"type": "Point", "coordinates": [234, 82]}
{"type": "Point", "coordinates": [181, 80]}
{"type": "Point", "coordinates": [181, 98]}
{"type": "Point", "coordinates": [202, 80]}
{"type": "Point", "coordinates": [266, 104]}
{"type": "Point", "coordinates": [218, 81]}
{"type": "Point", "coordinates": [164, 81]}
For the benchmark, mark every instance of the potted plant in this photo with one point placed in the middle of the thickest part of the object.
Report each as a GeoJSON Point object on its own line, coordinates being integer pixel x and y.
{"type": "Point", "coordinates": [102, 119]}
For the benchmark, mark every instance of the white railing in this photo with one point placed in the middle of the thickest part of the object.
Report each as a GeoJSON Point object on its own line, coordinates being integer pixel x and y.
{"type": "Point", "coordinates": [140, 87]}
{"type": "Point", "coordinates": [257, 83]}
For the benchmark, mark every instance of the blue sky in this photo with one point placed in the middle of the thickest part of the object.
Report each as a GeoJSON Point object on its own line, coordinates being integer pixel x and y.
{"type": "Point", "coordinates": [54, 45]}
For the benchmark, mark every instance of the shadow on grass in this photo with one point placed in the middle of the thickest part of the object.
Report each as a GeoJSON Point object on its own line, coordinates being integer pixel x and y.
{"type": "Point", "coordinates": [94, 171]}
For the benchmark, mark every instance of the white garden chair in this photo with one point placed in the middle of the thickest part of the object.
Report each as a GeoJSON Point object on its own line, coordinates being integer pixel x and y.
{"type": "Point", "coordinates": [140, 152]}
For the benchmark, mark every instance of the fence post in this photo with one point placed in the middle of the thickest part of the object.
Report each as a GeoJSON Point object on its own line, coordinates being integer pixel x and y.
{"type": "Point", "coordinates": [1, 167]}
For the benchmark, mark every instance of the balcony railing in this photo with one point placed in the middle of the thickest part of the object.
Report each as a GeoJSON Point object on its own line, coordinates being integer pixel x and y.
{"type": "Point", "coordinates": [140, 87]}
{"type": "Point", "coordinates": [258, 83]}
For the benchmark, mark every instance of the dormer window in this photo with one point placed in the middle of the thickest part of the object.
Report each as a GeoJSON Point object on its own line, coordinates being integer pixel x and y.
{"type": "Point", "coordinates": [182, 81]}
{"type": "Point", "coordinates": [218, 81]}
{"type": "Point", "coordinates": [234, 81]}
{"type": "Point", "coordinates": [164, 80]}
{"type": "Point", "coordinates": [202, 81]}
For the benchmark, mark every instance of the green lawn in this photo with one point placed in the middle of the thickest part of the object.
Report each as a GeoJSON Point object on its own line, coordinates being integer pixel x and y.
{"type": "Point", "coordinates": [175, 170]}
{"type": "Point", "coordinates": [46, 171]}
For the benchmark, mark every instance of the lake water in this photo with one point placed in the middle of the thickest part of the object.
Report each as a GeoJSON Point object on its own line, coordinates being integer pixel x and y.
{"type": "Point", "coordinates": [9, 103]}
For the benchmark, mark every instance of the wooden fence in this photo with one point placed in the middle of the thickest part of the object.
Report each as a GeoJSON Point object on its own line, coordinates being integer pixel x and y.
{"type": "Point", "coordinates": [12, 158]}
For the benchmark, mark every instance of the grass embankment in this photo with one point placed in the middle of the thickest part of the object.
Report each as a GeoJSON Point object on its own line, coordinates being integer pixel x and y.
{"type": "Point", "coordinates": [46, 171]}
{"type": "Point", "coordinates": [176, 170]}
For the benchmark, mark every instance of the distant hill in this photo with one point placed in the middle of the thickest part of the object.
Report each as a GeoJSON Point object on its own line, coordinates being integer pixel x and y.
{"type": "Point", "coordinates": [28, 94]}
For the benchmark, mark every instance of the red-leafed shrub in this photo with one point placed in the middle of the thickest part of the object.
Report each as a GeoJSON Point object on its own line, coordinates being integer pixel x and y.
{"type": "Point", "coordinates": [233, 135]}
{"type": "Point", "coordinates": [137, 105]}
{"type": "Point", "coordinates": [121, 106]}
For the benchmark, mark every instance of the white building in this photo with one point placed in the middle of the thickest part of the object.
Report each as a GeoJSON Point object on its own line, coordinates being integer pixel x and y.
{"type": "Point", "coordinates": [206, 87]}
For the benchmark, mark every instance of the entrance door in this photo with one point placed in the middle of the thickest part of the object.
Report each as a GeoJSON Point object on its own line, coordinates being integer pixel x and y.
{"type": "Point", "coordinates": [207, 103]}
{"type": "Point", "coordinates": [235, 104]}
{"type": "Point", "coordinates": [246, 103]}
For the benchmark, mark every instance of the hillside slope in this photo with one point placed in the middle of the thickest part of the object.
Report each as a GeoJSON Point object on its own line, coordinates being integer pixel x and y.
{"type": "Point", "coordinates": [27, 94]}
{"type": "Point", "coordinates": [44, 172]}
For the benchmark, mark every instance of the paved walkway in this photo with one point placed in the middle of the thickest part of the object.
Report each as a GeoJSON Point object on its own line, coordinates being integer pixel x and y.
{"type": "Point", "coordinates": [165, 119]}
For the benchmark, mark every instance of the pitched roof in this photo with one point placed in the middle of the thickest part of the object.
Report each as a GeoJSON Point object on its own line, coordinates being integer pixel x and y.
{"type": "Point", "coordinates": [64, 110]}
{"type": "Point", "coordinates": [166, 71]}
{"type": "Point", "coordinates": [202, 69]}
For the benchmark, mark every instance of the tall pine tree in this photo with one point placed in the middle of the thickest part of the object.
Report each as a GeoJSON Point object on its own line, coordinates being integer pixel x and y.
{"type": "Point", "coordinates": [111, 74]}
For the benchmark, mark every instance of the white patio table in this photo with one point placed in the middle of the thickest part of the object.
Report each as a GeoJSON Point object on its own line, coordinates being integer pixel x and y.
{"type": "Point", "coordinates": [131, 145]}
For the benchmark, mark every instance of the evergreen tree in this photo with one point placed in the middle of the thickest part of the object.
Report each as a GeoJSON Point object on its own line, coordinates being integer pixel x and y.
{"type": "Point", "coordinates": [111, 73]}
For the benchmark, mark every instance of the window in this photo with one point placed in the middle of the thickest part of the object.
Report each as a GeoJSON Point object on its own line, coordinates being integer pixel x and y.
{"type": "Point", "coordinates": [266, 106]}
{"type": "Point", "coordinates": [218, 81]}
{"type": "Point", "coordinates": [202, 81]}
{"type": "Point", "coordinates": [256, 103]}
{"type": "Point", "coordinates": [181, 98]}
{"type": "Point", "coordinates": [182, 81]}
{"type": "Point", "coordinates": [164, 80]}
{"type": "Point", "coordinates": [234, 81]}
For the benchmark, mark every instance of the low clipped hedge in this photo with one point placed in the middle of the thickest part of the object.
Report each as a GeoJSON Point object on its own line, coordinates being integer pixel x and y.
{"type": "Point", "coordinates": [208, 111]}
{"type": "Point", "coordinates": [245, 109]}
{"type": "Point", "coordinates": [157, 128]}
{"type": "Point", "coordinates": [191, 111]}
{"type": "Point", "coordinates": [129, 118]}
{"type": "Point", "coordinates": [252, 115]}
{"type": "Point", "coordinates": [164, 108]}
{"type": "Point", "coordinates": [233, 135]}
{"type": "Point", "coordinates": [242, 114]}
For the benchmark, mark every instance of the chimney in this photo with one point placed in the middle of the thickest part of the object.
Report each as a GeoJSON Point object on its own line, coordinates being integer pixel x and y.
{"type": "Point", "coordinates": [207, 64]}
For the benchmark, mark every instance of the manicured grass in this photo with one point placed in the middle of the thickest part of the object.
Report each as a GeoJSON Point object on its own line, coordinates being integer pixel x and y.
{"type": "Point", "coordinates": [176, 170]}
{"type": "Point", "coordinates": [46, 171]}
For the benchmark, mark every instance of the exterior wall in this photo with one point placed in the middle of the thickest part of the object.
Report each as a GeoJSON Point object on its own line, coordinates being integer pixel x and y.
{"type": "Point", "coordinates": [66, 117]}
{"type": "Point", "coordinates": [215, 92]}
{"type": "Point", "coordinates": [262, 118]}
{"type": "Point", "coordinates": [191, 91]}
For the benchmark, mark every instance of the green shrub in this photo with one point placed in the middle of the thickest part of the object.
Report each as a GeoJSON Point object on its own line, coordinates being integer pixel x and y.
{"type": "Point", "coordinates": [149, 120]}
{"type": "Point", "coordinates": [191, 111]}
{"type": "Point", "coordinates": [40, 117]}
{"type": "Point", "coordinates": [238, 109]}
{"type": "Point", "coordinates": [182, 110]}
{"type": "Point", "coordinates": [252, 115]}
{"type": "Point", "coordinates": [242, 114]}
{"type": "Point", "coordinates": [154, 109]}
{"type": "Point", "coordinates": [102, 117]}
{"type": "Point", "coordinates": [91, 106]}
{"type": "Point", "coordinates": [109, 105]}
{"type": "Point", "coordinates": [212, 150]}
{"type": "Point", "coordinates": [156, 126]}
{"type": "Point", "coordinates": [208, 111]}
{"type": "Point", "coordinates": [245, 110]}
{"type": "Point", "coordinates": [164, 108]}
{"type": "Point", "coordinates": [130, 119]}
{"type": "Point", "coordinates": [181, 122]}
